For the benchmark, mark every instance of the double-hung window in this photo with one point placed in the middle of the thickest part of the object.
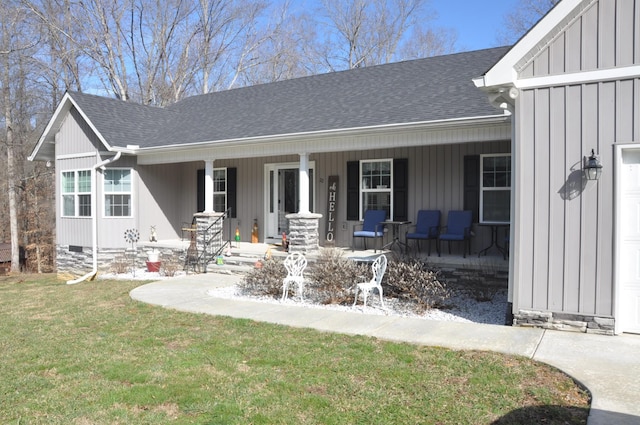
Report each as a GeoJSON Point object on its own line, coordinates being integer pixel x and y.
{"type": "Point", "coordinates": [117, 192]}
{"type": "Point", "coordinates": [376, 177]}
{"type": "Point", "coordinates": [220, 189]}
{"type": "Point", "coordinates": [76, 193]}
{"type": "Point", "coordinates": [495, 188]}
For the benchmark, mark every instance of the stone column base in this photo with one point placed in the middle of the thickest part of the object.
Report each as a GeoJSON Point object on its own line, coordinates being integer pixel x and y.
{"type": "Point", "coordinates": [303, 232]}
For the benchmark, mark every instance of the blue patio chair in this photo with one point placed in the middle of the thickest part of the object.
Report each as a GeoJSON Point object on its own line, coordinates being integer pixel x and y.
{"type": "Point", "coordinates": [372, 228]}
{"type": "Point", "coordinates": [427, 228]}
{"type": "Point", "coordinates": [458, 229]}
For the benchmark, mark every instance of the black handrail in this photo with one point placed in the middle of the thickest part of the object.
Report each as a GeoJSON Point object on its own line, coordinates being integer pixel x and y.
{"type": "Point", "coordinates": [207, 244]}
{"type": "Point", "coordinates": [210, 238]}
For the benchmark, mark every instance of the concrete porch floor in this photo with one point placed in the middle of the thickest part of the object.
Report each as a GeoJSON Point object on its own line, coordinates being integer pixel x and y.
{"type": "Point", "coordinates": [250, 252]}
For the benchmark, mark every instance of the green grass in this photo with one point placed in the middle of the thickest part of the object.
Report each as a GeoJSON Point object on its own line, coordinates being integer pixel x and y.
{"type": "Point", "coordinates": [88, 354]}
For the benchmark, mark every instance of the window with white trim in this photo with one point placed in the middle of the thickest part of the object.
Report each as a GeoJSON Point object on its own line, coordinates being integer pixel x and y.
{"type": "Point", "coordinates": [220, 189]}
{"type": "Point", "coordinates": [76, 193]}
{"type": "Point", "coordinates": [117, 192]}
{"type": "Point", "coordinates": [495, 188]}
{"type": "Point", "coordinates": [376, 186]}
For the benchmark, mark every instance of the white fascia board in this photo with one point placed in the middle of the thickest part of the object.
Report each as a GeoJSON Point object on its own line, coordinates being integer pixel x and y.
{"type": "Point", "coordinates": [326, 133]}
{"type": "Point", "coordinates": [316, 142]}
{"type": "Point", "coordinates": [582, 77]}
{"type": "Point", "coordinates": [504, 73]}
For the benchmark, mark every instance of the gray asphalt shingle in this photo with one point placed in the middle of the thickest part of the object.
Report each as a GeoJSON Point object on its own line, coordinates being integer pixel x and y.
{"type": "Point", "coordinates": [421, 90]}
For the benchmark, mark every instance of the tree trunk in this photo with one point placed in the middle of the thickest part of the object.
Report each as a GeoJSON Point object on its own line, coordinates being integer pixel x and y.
{"type": "Point", "coordinates": [11, 169]}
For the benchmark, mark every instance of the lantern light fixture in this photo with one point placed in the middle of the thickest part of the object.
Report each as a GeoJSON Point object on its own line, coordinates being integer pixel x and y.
{"type": "Point", "coordinates": [592, 167]}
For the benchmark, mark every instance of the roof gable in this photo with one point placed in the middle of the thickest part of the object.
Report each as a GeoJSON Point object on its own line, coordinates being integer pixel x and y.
{"type": "Point", "coordinates": [506, 70]}
{"type": "Point", "coordinates": [114, 122]}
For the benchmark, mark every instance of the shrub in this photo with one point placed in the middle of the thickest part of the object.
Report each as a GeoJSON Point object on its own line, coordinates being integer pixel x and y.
{"type": "Point", "coordinates": [266, 280]}
{"type": "Point", "coordinates": [170, 266]}
{"type": "Point", "coordinates": [410, 279]}
{"type": "Point", "coordinates": [120, 264]}
{"type": "Point", "coordinates": [333, 277]}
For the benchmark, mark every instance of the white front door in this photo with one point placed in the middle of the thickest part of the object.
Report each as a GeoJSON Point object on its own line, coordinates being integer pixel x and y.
{"type": "Point", "coordinates": [282, 197]}
{"type": "Point", "coordinates": [629, 241]}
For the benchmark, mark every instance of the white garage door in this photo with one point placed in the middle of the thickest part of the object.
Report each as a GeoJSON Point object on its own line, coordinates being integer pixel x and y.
{"type": "Point", "coordinates": [629, 227]}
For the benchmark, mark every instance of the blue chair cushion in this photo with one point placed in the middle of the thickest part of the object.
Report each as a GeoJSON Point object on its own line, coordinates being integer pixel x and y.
{"type": "Point", "coordinates": [452, 237]}
{"type": "Point", "coordinates": [419, 236]}
{"type": "Point", "coordinates": [366, 234]}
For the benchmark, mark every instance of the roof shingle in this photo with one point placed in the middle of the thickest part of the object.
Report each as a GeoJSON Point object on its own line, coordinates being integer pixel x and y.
{"type": "Point", "coordinates": [422, 90]}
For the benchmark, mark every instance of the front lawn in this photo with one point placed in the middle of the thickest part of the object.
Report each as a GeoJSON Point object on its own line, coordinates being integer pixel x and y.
{"type": "Point", "coordinates": [88, 354]}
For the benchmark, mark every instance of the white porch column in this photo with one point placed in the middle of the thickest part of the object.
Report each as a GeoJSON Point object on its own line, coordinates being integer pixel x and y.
{"type": "Point", "coordinates": [208, 185]}
{"type": "Point", "coordinates": [304, 184]}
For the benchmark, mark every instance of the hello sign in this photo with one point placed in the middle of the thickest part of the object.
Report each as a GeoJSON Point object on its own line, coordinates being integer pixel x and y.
{"type": "Point", "coordinates": [332, 207]}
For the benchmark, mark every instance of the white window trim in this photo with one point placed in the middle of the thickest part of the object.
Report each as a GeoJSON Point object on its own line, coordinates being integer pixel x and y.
{"type": "Point", "coordinates": [375, 190]}
{"type": "Point", "coordinates": [105, 193]}
{"type": "Point", "coordinates": [490, 189]}
{"type": "Point", "coordinates": [226, 186]}
{"type": "Point", "coordinates": [76, 193]}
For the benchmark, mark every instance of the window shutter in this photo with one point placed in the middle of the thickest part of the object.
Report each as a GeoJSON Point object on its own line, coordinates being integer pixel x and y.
{"type": "Point", "coordinates": [401, 189]}
{"type": "Point", "coordinates": [472, 185]}
{"type": "Point", "coordinates": [232, 191]}
{"type": "Point", "coordinates": [200, 190]}
{"type": "Point", "coordinates": [353, 190]}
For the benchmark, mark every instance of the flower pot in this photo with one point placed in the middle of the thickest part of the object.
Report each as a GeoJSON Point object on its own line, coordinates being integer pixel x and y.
{"type": "Point", "coordinates": [153, 266]}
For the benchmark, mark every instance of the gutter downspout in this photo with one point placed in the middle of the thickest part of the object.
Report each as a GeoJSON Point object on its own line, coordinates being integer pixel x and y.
{"type": "Point", "coordinates": [94, 219]}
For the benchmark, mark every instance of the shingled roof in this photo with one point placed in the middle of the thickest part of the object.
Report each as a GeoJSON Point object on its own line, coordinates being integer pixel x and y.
{"type": "Point", "coordinates": [423, 90]}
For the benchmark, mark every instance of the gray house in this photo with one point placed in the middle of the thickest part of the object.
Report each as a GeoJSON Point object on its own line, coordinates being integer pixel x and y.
{"type": "Point", "coordinates": [573, 84]}
{"type": "Point", "coordinates": [502, 132]}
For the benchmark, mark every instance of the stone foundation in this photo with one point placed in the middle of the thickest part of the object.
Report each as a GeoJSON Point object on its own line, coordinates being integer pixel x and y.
{"type": "Point", "coordinates": [303, 232]}
{"type": "Point", "coordinates": [564, 322]}
{"type": "Point", "coordinates": [79, 261]}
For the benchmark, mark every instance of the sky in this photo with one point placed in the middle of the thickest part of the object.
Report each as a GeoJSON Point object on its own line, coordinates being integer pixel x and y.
{"type": "Point", "coordinates": [476, 21]}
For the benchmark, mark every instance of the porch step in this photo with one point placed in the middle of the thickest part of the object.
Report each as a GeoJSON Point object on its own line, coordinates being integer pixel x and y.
{"type": "Point", "coordinates": [242, 262]}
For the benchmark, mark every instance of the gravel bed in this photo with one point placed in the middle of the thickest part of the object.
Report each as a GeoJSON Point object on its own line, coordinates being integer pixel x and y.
{"type": "Point", "coordinates": [461, 306]}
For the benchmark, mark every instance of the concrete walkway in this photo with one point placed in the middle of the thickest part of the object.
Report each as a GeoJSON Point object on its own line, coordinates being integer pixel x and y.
{"type": "Point", "coordinates": [608, 366]}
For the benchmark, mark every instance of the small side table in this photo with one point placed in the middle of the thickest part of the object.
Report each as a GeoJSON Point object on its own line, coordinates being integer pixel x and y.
{"type": "Point", "coordinates": [395, 230]}
{"type": "Point", "coordinates": [494, 238]}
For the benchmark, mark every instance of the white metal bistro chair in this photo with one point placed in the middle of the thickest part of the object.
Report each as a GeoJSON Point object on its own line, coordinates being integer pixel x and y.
{"type": "Point", "coordinates": [378, 268]}
{"type": "Point", "coordinates": [295, 263]}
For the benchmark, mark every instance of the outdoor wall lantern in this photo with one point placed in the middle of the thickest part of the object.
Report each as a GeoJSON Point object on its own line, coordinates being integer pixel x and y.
{"type": "Point", "coordinates": [592, 167]}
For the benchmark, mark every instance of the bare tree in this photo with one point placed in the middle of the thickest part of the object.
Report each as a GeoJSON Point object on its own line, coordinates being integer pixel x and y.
{"type": "Point", "coordinates": [430, 42]}
{"type": "Point", "coordinates": [283, 54]}
{"type": "Point", "coordinates": [153, 40]}
{"type": "Point", "coordinates": [522, 18]}
{"type": "Point", "coordinates": [228, 34]}
{"type": "Point", "coordinates": [371, 32]}
{"type": "Point", "coordinates": [15, 47]}
{"type": "Point", "coordinates": [59, 61]}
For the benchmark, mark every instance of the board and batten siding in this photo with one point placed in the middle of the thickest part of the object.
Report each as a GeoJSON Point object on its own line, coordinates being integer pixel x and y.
{"type": "Point", "coordinates": [77, 148]}
{"type": "Point", "coordinates": [160, 200]}
{"type": "Point", "coordinates": [111, 229]}
{"type": "Point", "coordinates": [563, 260]}
{"type": "Point", "coordinates": [435, 182]}
{"type": "Point", "coordinates": [605, 35]}
{"type": "Point", "coordinates": [72, 230]}
{"type": "Point", "coordinates": [76, 136]}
